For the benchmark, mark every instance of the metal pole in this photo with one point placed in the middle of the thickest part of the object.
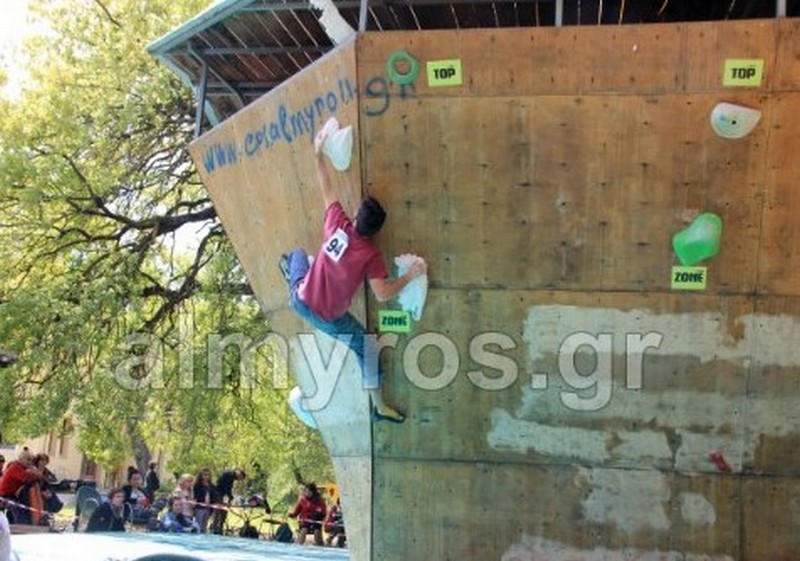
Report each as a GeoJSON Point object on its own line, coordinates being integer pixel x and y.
{"type": "Point", "coordinates": [559, 13]}
{"type": "Point", "coordinates": [780, 9]}
{"type": "Point", "coordinates": [201, 101]}
{"type": "Point", "coordinates": [362, 17]}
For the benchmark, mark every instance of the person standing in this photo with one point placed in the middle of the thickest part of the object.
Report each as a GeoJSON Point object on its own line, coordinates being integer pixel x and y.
{"type": "Point", "coordinates": [310, 511]}
{"type": "Point", "coordinates": [224, 496]}
{"type": "Point", "coordinates": [151, 481]}
{"type": "Point", "coordinates": [334, 525]}
{"type": "Point", "coordinates": [203, 494]}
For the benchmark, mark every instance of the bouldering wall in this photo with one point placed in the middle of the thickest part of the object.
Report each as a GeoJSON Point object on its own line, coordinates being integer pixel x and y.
{"type": "Point", "coordinates": [564, 399]}
{"type": "Point", "coordinates": [259, 169]}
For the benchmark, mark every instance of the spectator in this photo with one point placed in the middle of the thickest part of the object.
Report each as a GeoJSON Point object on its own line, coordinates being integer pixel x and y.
{"type": "Point", "coordinates": [52, 504]}
{"type": "Point", "coordinates": [109, 516]}
{"type": "Point", "coordinates": [334, 525]}
{"type": "Point", "coordinates": [258, 488]}
{"type": "Point", "coordinates": [174, 519]}
{"type": "Point", "coordinates": [310, 511]}
{"type": "Point", "coordinates": [136, 499]}
{"type": "Point", "coordinates": [203, 493]}
{"type": "Point", "coordinates": [16, 475]}
{"type": "Point", "coordinates": [30, 494]}
{"type": "Point", "coordinates": [2, 464]}
{"type": "Point", "coordinates": [224, 496]}
{"type": "Point", "coordinates": [41, 497]}
{"type": "Point", "coordinates": [183, 491]}
{"type": "Point", "coordinates": [151, 481]}
{"type": "Point", "coordinates": [40, 462]}
{"type": "Point", "coordinates": [131, 471]}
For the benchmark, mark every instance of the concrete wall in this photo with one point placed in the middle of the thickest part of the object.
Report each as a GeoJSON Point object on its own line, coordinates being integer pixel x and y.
{"type": "Point", "coordinates": [563, 400]}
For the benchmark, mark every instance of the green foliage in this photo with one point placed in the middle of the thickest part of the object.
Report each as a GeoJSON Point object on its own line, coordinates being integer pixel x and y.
{"type": "Point", "coordinates": [108, 238]}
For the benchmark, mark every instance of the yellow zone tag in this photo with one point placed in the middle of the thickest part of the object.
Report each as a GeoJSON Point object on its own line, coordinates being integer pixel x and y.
{"type": "Point", "coordinates": [394, 321]}
{"type": "Point", "coordinates": [444, 73]}
{"type": "Point", "coordinates": [746, 72]}
{"type": "Point", "coordinates": [689, 278]}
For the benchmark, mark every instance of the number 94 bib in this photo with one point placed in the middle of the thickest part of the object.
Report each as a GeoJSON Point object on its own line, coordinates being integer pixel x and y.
{"type": "Point", "coordinates": [336, 245]}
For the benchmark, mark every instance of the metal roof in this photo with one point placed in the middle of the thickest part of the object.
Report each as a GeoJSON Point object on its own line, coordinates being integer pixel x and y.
{"type": "Point", "coordinates": [237, 50]}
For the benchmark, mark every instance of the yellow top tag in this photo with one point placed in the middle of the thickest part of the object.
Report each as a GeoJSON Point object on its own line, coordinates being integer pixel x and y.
{"type": "Point", "coordinates": [444, 73]}
{"type": "Point", "coordinates": [743, 72]}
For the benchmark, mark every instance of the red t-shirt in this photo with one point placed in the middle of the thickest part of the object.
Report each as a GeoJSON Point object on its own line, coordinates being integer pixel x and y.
{"type": "Point", "coordinates": [310, 509]}
{"type": "Point", "coordinates": [343, 262]}
{"type": "Point", "coordinates": [14, 477]}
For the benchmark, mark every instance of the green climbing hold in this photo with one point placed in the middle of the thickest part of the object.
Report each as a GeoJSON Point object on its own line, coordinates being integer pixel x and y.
{"type": "Point", "coordinates": [700, 240]}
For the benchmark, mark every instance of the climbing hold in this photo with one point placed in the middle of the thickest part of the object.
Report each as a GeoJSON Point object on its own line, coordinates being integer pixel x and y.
{"type": "Point", "coordinates": [402, 79]}
{"type": "Point", "coordinates": [700, 240]}
{"type": "Point", "coordinates": [296, 403]}
{"type": "Point", "coordinates": [412, 297]}
{"type": "Point", "coordinates": [734, 121]}
{"type": "Point", "coordinates": [337, 143]}
{"type": "Point", "coordinates": [718, 460]}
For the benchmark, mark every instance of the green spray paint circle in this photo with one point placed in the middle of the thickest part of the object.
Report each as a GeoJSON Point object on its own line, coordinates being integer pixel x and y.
{"type": "Point", "coordinates": [413, 68]}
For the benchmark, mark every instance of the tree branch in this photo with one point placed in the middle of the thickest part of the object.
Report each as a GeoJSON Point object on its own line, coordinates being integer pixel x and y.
{"type": "Point", "coordinates": [189, 285]}
{"type": "Point", "coordinates": [108, 14]}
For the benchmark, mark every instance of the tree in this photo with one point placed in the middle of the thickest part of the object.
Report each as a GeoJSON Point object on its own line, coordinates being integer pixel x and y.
{"type": "Point", "coordinates": [110, 244]}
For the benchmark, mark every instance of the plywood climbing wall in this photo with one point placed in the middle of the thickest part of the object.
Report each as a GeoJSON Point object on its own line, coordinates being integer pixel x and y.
{"type": "Point", "coordinates": [259, 169]}
{"type": "Point", "coordinates": [565, 402]}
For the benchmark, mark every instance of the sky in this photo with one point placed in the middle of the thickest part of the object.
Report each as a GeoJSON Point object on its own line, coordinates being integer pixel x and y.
{"type": "Point", "coordinates": [13, 26]}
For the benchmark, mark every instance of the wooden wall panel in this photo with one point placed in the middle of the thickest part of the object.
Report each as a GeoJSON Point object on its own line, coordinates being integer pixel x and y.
{"type": "Point", "coordinates": [259, 169]}
{"type": "Point", "coordinates": [787, 61]}
{"type": "Point", "coordinates": [779, 385]}
{"type": "Point", "coordinates": [545, 192]}
{"type": "Point", "coordinates": [771, 518]}
{"type": "Point", "coordinates": [508, 206]}
{"type": "Point", "coordinates": [779, 270]}
{"type": "Point", "coordinates": [708, 45]}
{"type": "Point", "coordinates": [675, 378]}
{"type": "Point", "coordinates": [638, 59]}
{"type": "Point", "coordinates": [455, 511]}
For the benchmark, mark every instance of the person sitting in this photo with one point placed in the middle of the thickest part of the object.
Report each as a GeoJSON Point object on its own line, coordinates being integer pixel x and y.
{"type": "Point", "coordinates": [17, 475]}
{"type": "Point", "coordinates": [42, 503]}
{"type": "Point", "coordinates": [109, 516]}
{"type": "Point", "coordinates": [174, 519]}
{"type": "Point", "coordinates": [258, 487]}
{"type": "Point", "coordinates": [136, 498]}
{"type": "Point", "coordinates": [334, 525]}
{"type": "Point", "coordinates": [40, 462]}
{"type": "Point", "coordinates": [184, 492]}
{"type": "Point", "coordinates": [310, 511]}
{"type": "Point", "coordinates": [51, 502]}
